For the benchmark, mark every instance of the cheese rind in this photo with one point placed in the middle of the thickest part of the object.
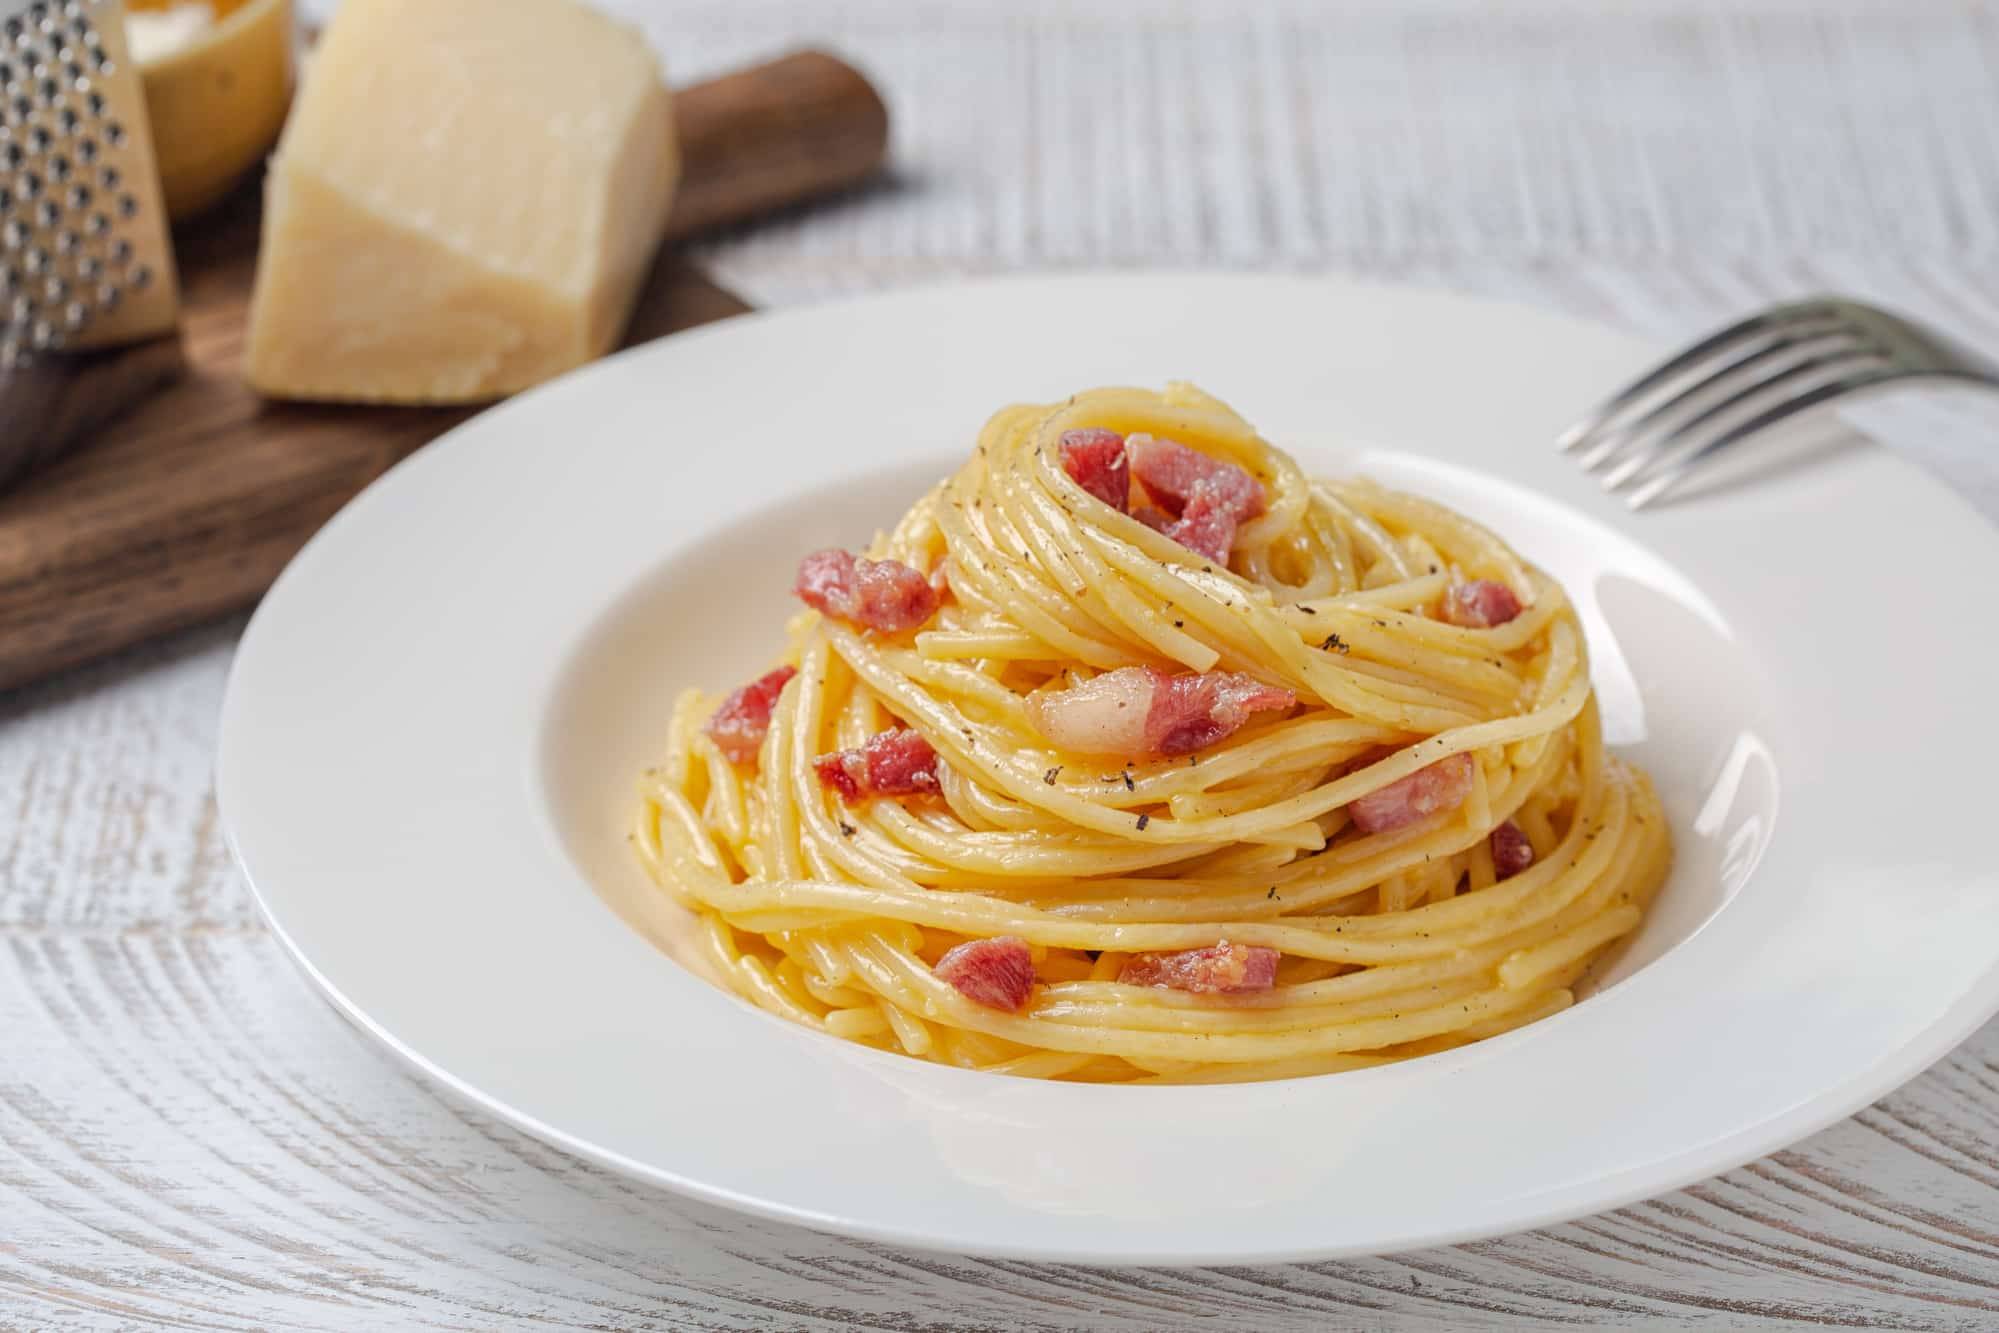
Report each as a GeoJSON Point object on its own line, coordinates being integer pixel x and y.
{"type": "Point", "coordinates": [464, 202]}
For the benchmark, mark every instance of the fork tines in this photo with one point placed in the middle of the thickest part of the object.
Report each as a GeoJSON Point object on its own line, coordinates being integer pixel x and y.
{"type": "Point", "coordinates": [1745, 378]}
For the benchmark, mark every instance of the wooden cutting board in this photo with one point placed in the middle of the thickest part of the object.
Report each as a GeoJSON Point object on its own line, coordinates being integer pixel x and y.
{"type": "Point", "coordinates": [189, 504]}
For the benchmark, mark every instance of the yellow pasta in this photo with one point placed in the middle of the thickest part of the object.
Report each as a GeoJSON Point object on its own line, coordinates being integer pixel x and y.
{"type": "Point", "coordinates": [1389, 943]}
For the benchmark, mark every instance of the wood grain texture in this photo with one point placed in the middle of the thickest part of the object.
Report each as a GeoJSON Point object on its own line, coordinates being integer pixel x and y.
{"type": "Point", "coordinates": [190, 1139]}
{"type": "Point", "coordinates": [54, 403]}
{"type": "Point", "coordinates": [192, 502]}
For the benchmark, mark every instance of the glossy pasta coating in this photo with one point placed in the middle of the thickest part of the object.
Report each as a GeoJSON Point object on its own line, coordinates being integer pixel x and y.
{"type": "Point", "coordinates": [1390, 943]}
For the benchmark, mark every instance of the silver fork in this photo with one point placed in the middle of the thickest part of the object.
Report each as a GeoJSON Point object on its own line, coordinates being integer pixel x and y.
{"type": "Point", "coordinates": [1652, 435]}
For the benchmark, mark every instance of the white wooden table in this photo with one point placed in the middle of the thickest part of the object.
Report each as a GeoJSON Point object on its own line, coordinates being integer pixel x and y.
{"type": "Point", "coordinates": [190, 1138]}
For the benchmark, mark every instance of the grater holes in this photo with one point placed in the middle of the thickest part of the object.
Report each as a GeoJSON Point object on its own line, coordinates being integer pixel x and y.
{"type": "Point", "coordinates": [63, 193]}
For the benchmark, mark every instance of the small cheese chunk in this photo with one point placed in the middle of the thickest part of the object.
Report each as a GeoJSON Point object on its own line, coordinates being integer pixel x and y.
{"type": "Point", "coordinates": [464, 203]}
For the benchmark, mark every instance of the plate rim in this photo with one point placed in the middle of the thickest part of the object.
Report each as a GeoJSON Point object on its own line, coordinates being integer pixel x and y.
{"type": "Point", "coordinates": [1862, 1087]}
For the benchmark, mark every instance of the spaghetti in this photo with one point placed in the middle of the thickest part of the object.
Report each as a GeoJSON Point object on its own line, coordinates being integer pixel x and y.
{"type": "Point", "coordinates": [1133, 754]}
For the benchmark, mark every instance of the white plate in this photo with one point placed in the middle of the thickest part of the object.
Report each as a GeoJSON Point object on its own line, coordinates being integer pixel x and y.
{"type": "Point", "coordinates": [434, 721]}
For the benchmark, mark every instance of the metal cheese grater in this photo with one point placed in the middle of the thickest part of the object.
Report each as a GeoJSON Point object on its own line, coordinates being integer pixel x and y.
{"type": "Point", "coordinates": [85, 258]}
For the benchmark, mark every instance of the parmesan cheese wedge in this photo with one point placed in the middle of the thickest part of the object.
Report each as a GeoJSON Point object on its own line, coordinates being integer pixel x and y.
{"type": "Point", "coordinates": [464, 202]}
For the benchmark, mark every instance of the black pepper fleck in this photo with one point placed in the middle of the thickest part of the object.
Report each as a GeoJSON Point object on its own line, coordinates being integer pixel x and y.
{"type": "Point", "coordinates": [1308, 610]}
{"type": "Point", "coordinates": [1335, 644]}
{"type": "Point", "coordinates": [1143, 820]}
{"type": "Point", "coordinates": [846, 829]}
{"type": "Point", "coordinates": [1053, 773]}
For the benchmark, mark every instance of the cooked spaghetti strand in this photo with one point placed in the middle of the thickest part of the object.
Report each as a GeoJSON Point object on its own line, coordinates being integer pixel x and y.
{"type": "Point", "coordinates": [1380, 936]}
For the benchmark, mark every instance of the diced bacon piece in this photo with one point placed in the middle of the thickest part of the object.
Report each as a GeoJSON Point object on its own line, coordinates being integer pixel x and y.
{"type": "Point", "coordinates": [739, 726]}
{"type": "Point", "coordinates": [1095, 460]}
{"type": "Point", "coordinates": [897, 762]}
{"type": "Point", "coordinates": [1480, 604]}
{"type": "Point", "coordinates": [1173, 473]}
{"type": "Point", "coordinates": [1442, 786]}
{"type": "Point", "coordinates": [884, 595]}
{"type": "Point", "coordinates": [1104, 715]}
{"type": "Point", "coordinates": [1511, 852]}
{"type": "Point", "coordinates": [1135, 711]}
{"type": "Point", "coordinates": [997, 973]}
{"type": "Point", "coordinates": [1190, 713]}
{"type": "Point", "coordinates": [1206, 527]}
{"type": "Point", "coordinates": [1226, 969]}
{"type": "Point", "coordinates": [1211, 498]}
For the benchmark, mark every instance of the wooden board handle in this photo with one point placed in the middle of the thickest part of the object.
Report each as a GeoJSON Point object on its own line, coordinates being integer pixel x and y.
{"type": "Point", "coordinates": [189, 505]}
{"type": "Point", "coordinates": [765, 138]}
